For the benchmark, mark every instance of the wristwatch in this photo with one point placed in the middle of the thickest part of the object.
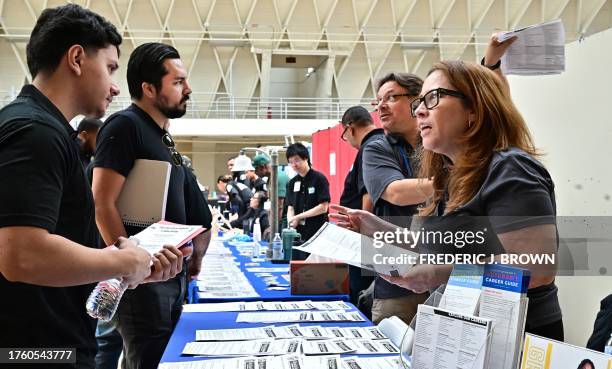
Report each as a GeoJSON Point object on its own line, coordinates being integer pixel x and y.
{"type": "Point", "coordinates": [492, 67]}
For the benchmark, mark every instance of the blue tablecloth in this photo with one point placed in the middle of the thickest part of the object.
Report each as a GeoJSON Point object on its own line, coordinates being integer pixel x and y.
{"type": "Point", "coordinates": [260, 286]}
{"type": "Point", "coordinates": [190, 322]}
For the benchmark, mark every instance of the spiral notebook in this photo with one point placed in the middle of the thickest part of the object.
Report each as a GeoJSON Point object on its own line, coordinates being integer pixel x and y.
{"type": "Point", "coordinates": [142, 200]}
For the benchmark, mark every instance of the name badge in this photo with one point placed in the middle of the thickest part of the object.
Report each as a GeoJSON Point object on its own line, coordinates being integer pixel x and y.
{"type": "Point", "coordinates": [311, 190]}
{"type": "Point", "coordinates": [296, 186]}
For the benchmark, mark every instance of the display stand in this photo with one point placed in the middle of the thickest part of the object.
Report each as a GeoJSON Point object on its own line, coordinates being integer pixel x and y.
{"type": "Point", "coordinates": [496, 340]}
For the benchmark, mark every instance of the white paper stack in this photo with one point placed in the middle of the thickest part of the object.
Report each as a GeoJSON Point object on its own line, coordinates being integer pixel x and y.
{"type": "Point", "coordinates": [538, 50]}
{"type": "Point", "coordinates": [243, 348]}
{"type": "Point", "coordinates": [304, 316]}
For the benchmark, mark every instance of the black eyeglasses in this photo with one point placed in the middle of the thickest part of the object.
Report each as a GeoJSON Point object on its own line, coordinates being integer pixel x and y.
{"type": "Point", "coordinates": [177, 159]}
{"type": "Point", "coordinates": [387, 99]}
{"type": "Point", "coordinates": [344, 132]}
{"type": "Point", "coordinates": [432, 98]}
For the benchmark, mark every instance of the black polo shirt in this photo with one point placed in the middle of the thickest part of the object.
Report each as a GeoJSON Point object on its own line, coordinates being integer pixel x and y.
{"type": "Point", "coordinates": [44, 186]}
{"type": "Point", "coordinates": [354, 188]}
{"type": "Point", "coordinates": [304, 193]}
{"type": "Point", "coordinates": [132, 134]}
{"type": "Point", "coordinates": [387, 159]}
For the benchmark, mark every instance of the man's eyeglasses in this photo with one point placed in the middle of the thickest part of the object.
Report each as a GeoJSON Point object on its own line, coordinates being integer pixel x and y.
{"type": "Point", "coordinates": [177, 159]}
{"type": "Point", "coordinates": [388, 99]}
{"type": "Point", "coordinates": [344, 132]}
{"type": "Point", "coordinates": [432, 98]}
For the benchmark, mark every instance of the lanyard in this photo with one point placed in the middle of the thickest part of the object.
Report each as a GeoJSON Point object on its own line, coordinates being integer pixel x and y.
{"type": "Point", "coordinates": [406, 161]}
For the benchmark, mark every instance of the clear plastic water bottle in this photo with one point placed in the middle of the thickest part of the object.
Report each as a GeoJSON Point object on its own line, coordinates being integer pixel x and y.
{"type": "Point", "coordinates": [277, 247]}
{"type": "Point", "coordinates": [256, 239]}
{"type": "Point", "coordinates": [608, 348]}
{"type": "Point", "coordinates": [104, 299]}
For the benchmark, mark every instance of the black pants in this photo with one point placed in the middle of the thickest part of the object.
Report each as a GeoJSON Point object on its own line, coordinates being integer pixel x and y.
{"type": "Point", "coordinates": [146, 318]}
{"type": "Point", "coordinates": [553, 330]}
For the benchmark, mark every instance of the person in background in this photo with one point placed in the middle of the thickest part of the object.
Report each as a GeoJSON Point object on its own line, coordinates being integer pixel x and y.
{"type": "Point", "coordinates": [87, 130]}
{"type": "Point", "coordinates": [238, 194]}
{"type": "Point", "coordinates": [230, 165]}
{"type": "Point", "coordinates": [49, 259]}
{"type": "Point", "coordinates": [308, 196]}
{"type": "Point", "coordinates": [262, 168]}
{"type": "Point", "coordinates": [256, 183]}
{"type": "Point", "coordinates": [157, 82]}
{"type": "Point", "coordinates": [359, 128]}
{"type": "Point", "coordinates": [255, 211]}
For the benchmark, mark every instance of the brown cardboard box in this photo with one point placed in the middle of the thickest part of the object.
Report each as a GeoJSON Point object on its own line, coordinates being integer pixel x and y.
{"type": "Point", "coordinates": [319, 278]}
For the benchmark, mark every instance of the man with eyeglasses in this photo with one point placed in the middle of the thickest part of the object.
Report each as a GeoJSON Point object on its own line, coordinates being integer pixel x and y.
{"type": "Point", "coordinates": [389, 167]}
{"type": "Point", "coordinates": [359, 129]}
{"type": "Point", "coordinates": [157, 82]}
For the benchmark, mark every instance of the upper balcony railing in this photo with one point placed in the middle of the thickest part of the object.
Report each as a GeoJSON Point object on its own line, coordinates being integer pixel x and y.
{"type": "Point", "coordinates": [224, 106]}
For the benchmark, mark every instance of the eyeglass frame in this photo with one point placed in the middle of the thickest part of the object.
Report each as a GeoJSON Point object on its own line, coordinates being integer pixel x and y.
{"type": "Point", "coordinates": [177, 159]}
{"type": "Point", "coordinates": [346, 127]}
{"type": "Point", "coordinates": [440, 92]}
{"type": "Point", "coordinates": [385, 100]}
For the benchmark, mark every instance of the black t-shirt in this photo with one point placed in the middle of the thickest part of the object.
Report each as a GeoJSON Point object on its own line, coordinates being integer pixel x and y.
{"type": "Point", "coordinates": [196, 205]}
{"type": "Point", "coordinates": [44, 185]}
{"type": "Point", "coordinates": [354, 188]}
{"type": "Point", "coordinates": [132, 134]}
{"type": "Point", "coordinates": [304, 193]}
{"type": "Point", "coordinates": [516, 193]}
{"type": "Point", "coordinates": [387, 159]}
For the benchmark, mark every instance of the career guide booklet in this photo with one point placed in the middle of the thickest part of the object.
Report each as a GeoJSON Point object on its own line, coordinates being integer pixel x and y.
{"type": "Point", "coordinates": [334, 242]}
{"type": "Point", "coordinates": [504, 301]}
{"type": "Point", "coordinates": [463, 289]}
{"type": "Point", "coordinates": [154, 237]}
{"type": "Point", "coordinates": [450, 340]}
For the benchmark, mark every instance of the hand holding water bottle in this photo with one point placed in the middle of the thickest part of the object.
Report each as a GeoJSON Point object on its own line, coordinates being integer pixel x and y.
{"type": "Point", "coordinates": [138, 261]}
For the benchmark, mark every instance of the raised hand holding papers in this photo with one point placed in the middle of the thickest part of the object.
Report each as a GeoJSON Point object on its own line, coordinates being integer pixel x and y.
{"type": "Point", "coordinates": [539, 49]}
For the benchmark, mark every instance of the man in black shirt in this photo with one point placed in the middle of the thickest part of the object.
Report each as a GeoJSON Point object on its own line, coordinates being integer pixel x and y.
{"type": "Point", "coordinates": [87, 131]}
{"type": "Point", "coordinates": [359, 129]}
{"type": "Point", "coordinates": [157, 82]}
{"type": "Point", "coordinates": [49, 259]}
{"type": "Point", "coordinates": [307, 196]}
{"type": "Point", "coordinates": [389, 167]}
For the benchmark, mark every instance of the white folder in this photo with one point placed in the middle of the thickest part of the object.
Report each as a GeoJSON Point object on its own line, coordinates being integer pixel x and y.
{"type": "Point", "coordinates": [142, 200]}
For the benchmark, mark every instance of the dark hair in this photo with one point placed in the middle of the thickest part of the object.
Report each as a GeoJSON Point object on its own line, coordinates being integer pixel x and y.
{"type": "Point", "coordinates": [584, 362]}
{"type": "Point", "coordinates": [146, 64]}
{"type": "Point", "coordinates": [299, 150]}
{"type": "Point", "coordinates": [89, 125]}
{"type": "Point", "coordinates": [357, 116]}
{"type": "Point", "coordinates": [58, 29]}
{"type": "Point", "coordinates": [263, 197]}
{"type": "Point", "coordinates": [411, 82]}
{"type": "Point", "coordinates": [226, 178]}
